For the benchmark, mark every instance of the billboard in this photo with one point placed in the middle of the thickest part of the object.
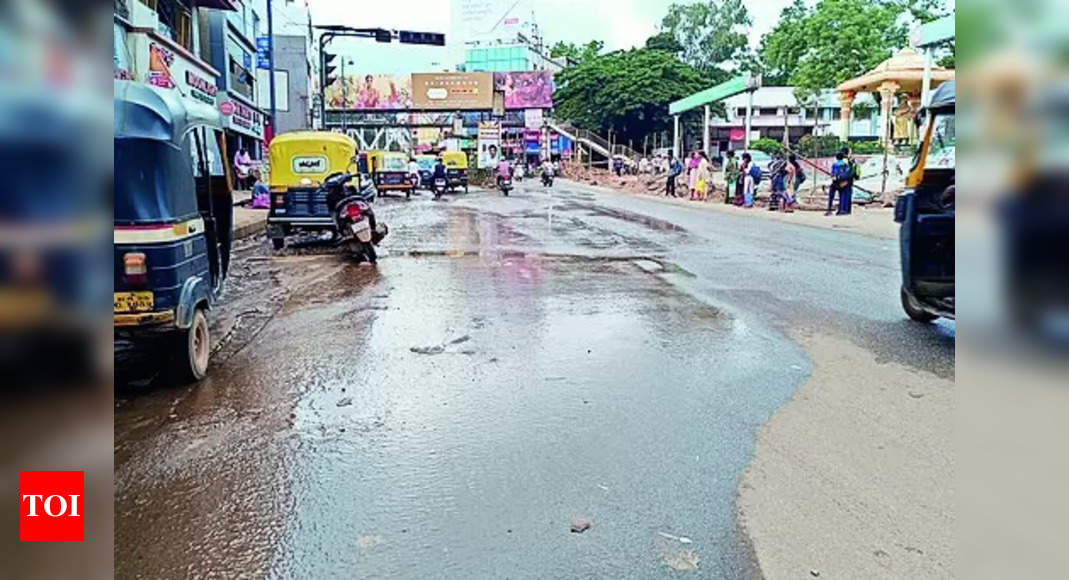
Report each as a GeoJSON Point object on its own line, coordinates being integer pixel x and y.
{"type": "Point", "coordinates": [452, 91]}
{"type": "Point", "coordinates": [526, 89]}
{"type": "Point", "coordinates": [370, 92]}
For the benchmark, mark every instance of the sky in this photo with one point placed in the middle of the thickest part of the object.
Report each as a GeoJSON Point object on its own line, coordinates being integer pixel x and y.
{"type": "Point", "coordinates": [620, 24]}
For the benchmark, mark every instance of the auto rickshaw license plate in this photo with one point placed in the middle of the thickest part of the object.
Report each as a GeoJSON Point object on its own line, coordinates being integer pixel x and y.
{"type": "Point", "coordinates": [134, 301]}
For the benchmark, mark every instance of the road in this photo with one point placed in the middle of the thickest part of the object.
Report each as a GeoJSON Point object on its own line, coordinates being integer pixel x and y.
{"type": "Point", "coordinates": [511, 365]}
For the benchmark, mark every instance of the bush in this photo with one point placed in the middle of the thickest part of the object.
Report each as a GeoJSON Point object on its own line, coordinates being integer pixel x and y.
{"type": "Point", "coordinates": [866, 147]}
{"type": "Point", "coordinates": [822, 146]}
{"type": "Point", "coordinates": [766, 145]}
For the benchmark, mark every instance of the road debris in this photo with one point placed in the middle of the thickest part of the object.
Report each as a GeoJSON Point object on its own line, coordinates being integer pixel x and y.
{"type": "Point", "coordinates": [579, 526]}
{"type": "Point", "coordinates": [345, 402]}
{"type": "Point", "coordinates": [436, 349]}
{"type": "Point", "coordinates": [688, 561]}
{"type": "Point", "coordinates": [680, 539]}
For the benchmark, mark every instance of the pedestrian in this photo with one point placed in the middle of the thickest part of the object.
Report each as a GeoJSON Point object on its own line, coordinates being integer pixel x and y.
{"type": "Point", "coordinates": [674, 169]}
{"type": "Point", "coordinates": [751, 177]}
{"type": "Point", "coordinates": [413, 172]}
{"type": "Point", "coordinates": [243, 167]}
{"type": "Point", "coordinates": [841, 177]}
{"type": "Point", "coordinates": [846, 198]}
{"type": "Point", "coordinates": [692, 172]}
{"type": "Point", "coordinates": [643, 166]}
{"type": "Point", "coordinates": [778, 176]}
{"type": "Point", "coordinates": [731, 177]}
{"type": "Point", "coordinates": [705, 177]}
{"type": "Point", "coordinates": [794, 178]}
{"type": "Point", "coordinates": [261, 196]}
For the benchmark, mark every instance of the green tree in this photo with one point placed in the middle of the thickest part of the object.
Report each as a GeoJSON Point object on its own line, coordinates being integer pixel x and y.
{"type": "Point", "coordinates": [574, 52]}
{"type": "Point", "coordinates": [784, 45]}
{"type": "Point", "coordinates": [818, 48]}
{"type": "Point", "coordinates": [664, 40]}
{"type": "Point", "coordinates": [626, 91]}
{"type": "Point", "coordinates": [712, 36]}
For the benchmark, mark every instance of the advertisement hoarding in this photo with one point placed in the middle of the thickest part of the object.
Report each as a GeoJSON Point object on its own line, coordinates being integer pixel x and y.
{"type": "Point", "coordinates": [526, 89]}
{"type": "Point", "coordinates": [489, 142]}
{"type": "Point", "coordinates": [370, 92]}
{"type": "Point", "coordinates": [452, 91]}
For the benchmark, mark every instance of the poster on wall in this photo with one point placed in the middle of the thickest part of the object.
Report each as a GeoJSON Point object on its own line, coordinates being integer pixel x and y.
{"type": "Point", "coordinates": [370, 92]}
{"type": "Point", "coordinates": [526, 89]}
{"type": "Point", "coordinates": [489, 141]}
{"type": "Point", "coordinates": [532, 118]}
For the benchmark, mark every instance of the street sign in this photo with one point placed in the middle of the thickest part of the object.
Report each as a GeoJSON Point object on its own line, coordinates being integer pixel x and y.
{"type": "Point", "coordinates": [263, 52]}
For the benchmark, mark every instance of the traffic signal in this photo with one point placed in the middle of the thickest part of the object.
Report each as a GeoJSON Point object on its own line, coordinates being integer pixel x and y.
{"type": "Point", "coordinates": [328, 69]}
{"type": "Point", "coordinates": [410, 37]}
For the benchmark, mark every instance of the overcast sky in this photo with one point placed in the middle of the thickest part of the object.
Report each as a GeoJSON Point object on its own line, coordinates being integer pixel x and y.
{"type": "Point", "coordinates": [620, 23]}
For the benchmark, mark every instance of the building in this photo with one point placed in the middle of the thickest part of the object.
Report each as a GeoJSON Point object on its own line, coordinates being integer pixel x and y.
{"type": "Point", "coordinates": [296, 66]}
{"type": "Point", "coordinates": [770, 104]}
{"type": "Point", "coordinates": [157, 42]}
{"type": "Point", "coordinates": [500, 36]}
{"type": "Point", "coordinates": [515, 56]}
{"type": "Point", "coordinates": [228, 43]}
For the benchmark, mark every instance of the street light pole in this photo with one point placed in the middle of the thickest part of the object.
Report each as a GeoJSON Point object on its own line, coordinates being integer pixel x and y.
{"type": "Point", "coordinates": [271, 62]}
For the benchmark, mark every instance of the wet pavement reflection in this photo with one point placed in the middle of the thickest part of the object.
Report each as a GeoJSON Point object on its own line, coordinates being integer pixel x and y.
{"type": "Point", "coordinates": [510, 365]}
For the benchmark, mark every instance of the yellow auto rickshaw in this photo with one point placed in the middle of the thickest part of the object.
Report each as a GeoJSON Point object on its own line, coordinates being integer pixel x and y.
{"type": "Point", "coordinates": [389, 169]}
{"type": "Point", "coordinates": [456, 169]}
{"type": "Point", "coordinates": [300, 161]}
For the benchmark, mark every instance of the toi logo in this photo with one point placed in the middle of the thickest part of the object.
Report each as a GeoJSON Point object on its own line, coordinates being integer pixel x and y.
{"type": "Point", "coordinates": [50, 506]}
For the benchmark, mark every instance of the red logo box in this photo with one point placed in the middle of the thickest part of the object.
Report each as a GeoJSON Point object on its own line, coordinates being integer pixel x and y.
{"type": "Point", "coordinates": [51, 506]}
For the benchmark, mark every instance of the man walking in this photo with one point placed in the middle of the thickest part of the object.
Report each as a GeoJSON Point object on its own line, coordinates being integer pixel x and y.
{"type": "Point", "coordinates": [674, 169]}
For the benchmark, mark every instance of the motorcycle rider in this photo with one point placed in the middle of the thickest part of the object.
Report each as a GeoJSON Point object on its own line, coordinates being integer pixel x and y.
{"type": "Point", "coordinates": [548, 171]}
{"type": "Point", "coordinates": [439, 173]}
{"type": "Point", "coordinates": [504, 170]}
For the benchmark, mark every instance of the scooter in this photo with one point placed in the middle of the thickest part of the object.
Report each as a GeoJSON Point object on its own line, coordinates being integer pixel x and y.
{"type": "Point", "coordinates": [547, 179]}
{"type": "Point", "coordinates": [440, 186]}
{"type": "Point", "coordinates": [353, 217]}
{"type": "Point", "coordinates": [505, 184]}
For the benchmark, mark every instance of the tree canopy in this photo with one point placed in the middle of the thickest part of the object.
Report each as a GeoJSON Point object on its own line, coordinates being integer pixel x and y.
{"type": "Point", "coordinates": [819, 47]}
{"type": "Point", "coordinates": [626, 91]}
{"type": "Point", "coordinates": [577, 53]}
{"type": "Point", "coordinates": [712, 36]}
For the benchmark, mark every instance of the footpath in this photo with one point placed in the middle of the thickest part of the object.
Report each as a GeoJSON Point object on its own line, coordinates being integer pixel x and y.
{"type": "Point", "coordinates": [872, 219]}
{"type": "Point", "coordinates": [248, 222]}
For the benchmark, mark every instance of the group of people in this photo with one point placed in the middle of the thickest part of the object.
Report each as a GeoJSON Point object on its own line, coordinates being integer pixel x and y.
{"type": "Point", "coordinates": [742, 176]}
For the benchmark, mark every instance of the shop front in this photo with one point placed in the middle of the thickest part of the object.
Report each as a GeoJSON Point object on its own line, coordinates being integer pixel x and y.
{"type": "Point", "coordinates": [245, 126]}
{"type": "Point", "coordinates": [159, 61]}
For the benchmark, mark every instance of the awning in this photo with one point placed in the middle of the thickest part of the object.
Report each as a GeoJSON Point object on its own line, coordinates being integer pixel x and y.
{"type": "Point", "coordinates": [217, 4]}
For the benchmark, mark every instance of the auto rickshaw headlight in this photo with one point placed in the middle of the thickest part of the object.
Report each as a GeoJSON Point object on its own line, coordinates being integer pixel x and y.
{"type": "Point", "coordinates": [135, 268]}
{"type": "Point", "coordinates": [306, 181]}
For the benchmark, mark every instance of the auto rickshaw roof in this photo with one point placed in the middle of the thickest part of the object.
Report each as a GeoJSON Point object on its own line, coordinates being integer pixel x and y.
{"type": "Point", "coordinates": [299, 136]}
{"type": "Point", "coordinates": [943, 96]}
{"type": "Point", "coordinates": [147, 112]}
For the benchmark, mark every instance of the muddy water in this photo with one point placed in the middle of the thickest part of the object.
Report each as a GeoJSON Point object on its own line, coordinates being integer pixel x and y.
{"type": "Point", "coordinates": [510, 365]}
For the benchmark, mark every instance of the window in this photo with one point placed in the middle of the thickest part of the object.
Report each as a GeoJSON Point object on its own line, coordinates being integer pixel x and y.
{"type": "Point", "coordinates": [173, 21]}
{"type": "Point", "coordinates": [766, 111]}
{"type": "Point", "coordinates": [836, 114]}
{"type": "Point", "coordinates": [740, 112]}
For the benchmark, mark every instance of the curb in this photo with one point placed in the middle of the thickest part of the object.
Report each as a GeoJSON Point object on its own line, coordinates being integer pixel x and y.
{"type": "Point", "coordinates": [249, 230]}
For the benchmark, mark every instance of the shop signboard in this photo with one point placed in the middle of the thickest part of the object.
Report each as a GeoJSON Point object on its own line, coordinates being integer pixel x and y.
{"type": "Point", "coordinates": [525, 89]}
{"type": "Point", "coordinates": [243, 118]}
{"type": "Point", "coordinates": [489, 140]}
{"type": "Point", "coordinates": [452, 91]}
{"type": "Point", "coordinates": [369, 92]}
{"type": "Point", "coordinates": [166, 67]}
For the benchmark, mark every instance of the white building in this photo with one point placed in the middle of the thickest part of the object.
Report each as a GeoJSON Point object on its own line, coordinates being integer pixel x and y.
{"type": "Point", "coordinates": [770, 104]}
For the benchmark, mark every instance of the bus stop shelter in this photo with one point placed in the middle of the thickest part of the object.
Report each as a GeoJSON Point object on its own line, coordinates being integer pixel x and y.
{"type": "Point", "coordinates": [729, 88]}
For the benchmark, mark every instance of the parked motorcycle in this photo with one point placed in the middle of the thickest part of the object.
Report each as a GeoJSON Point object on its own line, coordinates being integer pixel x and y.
{"type": "Point", "coordinates": [353, 217]}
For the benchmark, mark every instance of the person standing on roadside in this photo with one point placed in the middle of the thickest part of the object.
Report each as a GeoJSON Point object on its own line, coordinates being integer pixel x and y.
{"type": "Point", "coordinates": [705, 177]}
{"type": "Point", "coordinates": [749, 179]}
{"type": "Point", "coordinates": [674, 169]}
{"type": "Point", "coordinates": [731, 176]}
{"type": "Point", "coordinates": [846, 194]}
{"type": "Point", "coordinates": [692, 172]}
{"type": "Point", "coordinates": [840, 177]}
{"type": "Point", "coordinates": [794, 178]}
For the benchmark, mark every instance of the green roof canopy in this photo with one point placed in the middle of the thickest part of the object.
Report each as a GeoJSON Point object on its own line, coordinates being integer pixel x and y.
{"type": "Point", "coordinates": [724, 90]}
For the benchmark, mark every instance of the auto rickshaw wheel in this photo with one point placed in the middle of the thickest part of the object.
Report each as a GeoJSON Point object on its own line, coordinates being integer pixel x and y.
{"type": "Point", "coordinates": [278, 243]}
{"type": "Point", "coordinates": [465, 188]}
{"type": "Point", "coordinates": [913, 310]}
{"type": "Point", "coordinates": [193, 350]}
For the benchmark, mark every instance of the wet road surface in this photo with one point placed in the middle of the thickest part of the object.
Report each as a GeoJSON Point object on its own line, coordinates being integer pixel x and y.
{"type": "Point", "coordinates": [511, 364]}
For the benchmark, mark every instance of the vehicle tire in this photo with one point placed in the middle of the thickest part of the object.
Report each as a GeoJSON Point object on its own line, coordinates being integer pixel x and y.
{"type": "Point", "coordinates": [914, 311]}
{"type": "Point", "coordinates": [278, 243]}
{"type": "Point", "coordinates": [192, 352]}
{"type": "Point", "coordinates": [370, 253]}
{"type": "Point", "coordinates": [465, 188]}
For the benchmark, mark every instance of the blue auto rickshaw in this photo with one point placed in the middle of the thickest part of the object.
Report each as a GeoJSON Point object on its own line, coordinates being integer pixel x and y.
{"type": "Point", "coordinates": [173, 225]}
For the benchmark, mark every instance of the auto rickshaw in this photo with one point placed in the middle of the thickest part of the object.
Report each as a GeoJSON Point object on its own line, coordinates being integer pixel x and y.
{"type": "Point", "coordinates": [456, 169]}
{"type": "Point", "coordinates": [300, 161]}
{"type": "Point", "coordinates": [390, 171]}
{"type": "Point", "coordinates": [173, 225]}
{"type": "Point", "coordinates": [926, 211]}
{"type": "Point", "coordinates": [426, 169]}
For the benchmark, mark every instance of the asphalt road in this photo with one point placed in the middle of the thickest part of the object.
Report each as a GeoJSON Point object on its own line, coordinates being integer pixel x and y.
{"type": "Point", "coordinates": [511, 365]}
